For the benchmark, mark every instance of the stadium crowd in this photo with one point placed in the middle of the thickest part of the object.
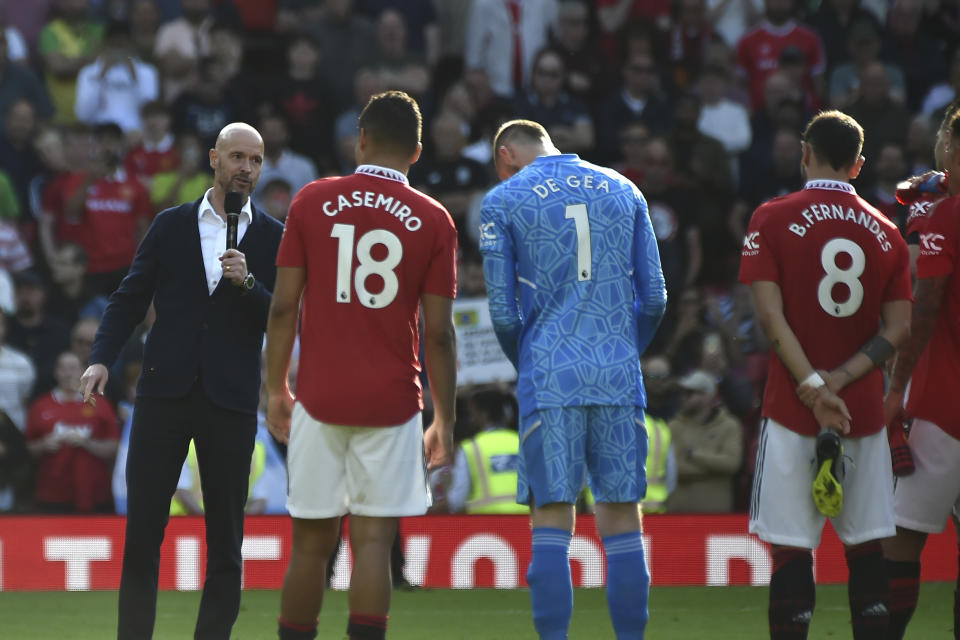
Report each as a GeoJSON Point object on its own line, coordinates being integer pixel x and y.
{"type": "Point", "coordinates": [107, 108]}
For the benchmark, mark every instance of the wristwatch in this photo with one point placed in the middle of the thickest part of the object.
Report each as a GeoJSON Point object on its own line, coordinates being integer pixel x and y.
{"type": "Point", "coordinates": [248, 282]}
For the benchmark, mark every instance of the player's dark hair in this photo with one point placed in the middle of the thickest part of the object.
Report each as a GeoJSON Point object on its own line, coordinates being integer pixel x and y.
{"type": "Point", "coordinates": [954, 127]}
{"type": "Point", "coordinates": [519, 130]}
{"type": "Point", "coordinates": [393, 122]}
{"type": "Point", "coordinates": [836, 139]}
{"type": "Point", "coordinates": [108, 130]}
{"type": "Point", "coordinates": [949, 112]}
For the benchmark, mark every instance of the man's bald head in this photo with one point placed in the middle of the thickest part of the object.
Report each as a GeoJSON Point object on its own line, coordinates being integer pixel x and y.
{"type": "Point", "coordinates": [235, 129]}
{"type": "Point", "coordinates": [237, 159]}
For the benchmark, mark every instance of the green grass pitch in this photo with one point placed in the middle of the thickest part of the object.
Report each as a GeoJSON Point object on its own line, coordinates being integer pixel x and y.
{"type": "Point", "coordinates": [681, 613]}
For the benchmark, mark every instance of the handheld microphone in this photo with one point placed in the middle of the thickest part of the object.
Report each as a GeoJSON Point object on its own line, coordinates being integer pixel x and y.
{"type": "Point", "coordinates": [232, 203]}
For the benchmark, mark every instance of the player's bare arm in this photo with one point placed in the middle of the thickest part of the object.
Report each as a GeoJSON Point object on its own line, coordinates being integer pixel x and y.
{"type": "Point", "coordinates": [928, 296]}
{"type": "Point", "coordinates": [895, 316]}
{"type": "Point", "coordinates": [281, 333]}
{"type": "Point", "coordinates": [440, 351]}
{"type": "Point", "coordinates": [829, 409]}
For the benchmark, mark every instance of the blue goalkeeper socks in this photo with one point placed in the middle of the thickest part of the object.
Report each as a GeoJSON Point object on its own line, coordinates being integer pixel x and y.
{"type": "Point", "coordinates": [551, 588]}
{"type": "Point", "coordinates": [628, 584]}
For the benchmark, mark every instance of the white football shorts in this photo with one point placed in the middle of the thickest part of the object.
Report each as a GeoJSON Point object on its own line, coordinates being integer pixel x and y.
{"type": "Point", "coordinates": [923, 500]}
{"type": "Point", "coordinates": [781, 507]}
{"type": "Point", "coordinates": [367, 471]}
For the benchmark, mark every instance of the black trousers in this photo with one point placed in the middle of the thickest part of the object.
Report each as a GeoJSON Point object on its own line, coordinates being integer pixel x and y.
{"type": "Point", "coordinates": [161, 433]}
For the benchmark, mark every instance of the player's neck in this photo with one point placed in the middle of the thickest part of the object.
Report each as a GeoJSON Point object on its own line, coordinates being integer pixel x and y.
{"type": "Point", "coordinates": [387, 162]}
{"type": "Point", "coordinates": [826, 173]}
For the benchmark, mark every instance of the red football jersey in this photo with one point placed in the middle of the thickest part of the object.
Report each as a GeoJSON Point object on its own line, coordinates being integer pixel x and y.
{"type": "Point", "coordinates": [145, 163]}
{"type": "Point", "coordinates": [371, 246]}
{"type": "Point", "coordinates": [837, 261]}
{"type": "Point", "coordinates": [918, 214]}
{"type": "Point", "coordinates": [113, 210]}
{"type": "Point", "coordinates": [72, 474]}
{"type": "Point", "coordinates": [933, 386]}
{"type": "Point", "coordinates": [758, 54]}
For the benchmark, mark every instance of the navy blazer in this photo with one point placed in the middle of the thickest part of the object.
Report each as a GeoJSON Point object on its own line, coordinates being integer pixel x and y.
{"type": "Point", "coordinates": [215, 338]}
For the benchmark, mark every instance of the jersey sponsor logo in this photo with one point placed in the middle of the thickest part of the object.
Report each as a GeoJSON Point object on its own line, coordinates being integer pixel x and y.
{"type": "Point", "coordinates": [928, 242]}
{"type": "Point", "coordinates": [487, 231]}
{"type": "Point", "coordinates": [104, 204]}
{"type": "Point", "coordinates": [751, 243]}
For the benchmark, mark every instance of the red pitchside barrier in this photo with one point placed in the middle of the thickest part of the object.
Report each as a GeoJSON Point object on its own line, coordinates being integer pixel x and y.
{"type": "Point", "coordinates": [82, 553]}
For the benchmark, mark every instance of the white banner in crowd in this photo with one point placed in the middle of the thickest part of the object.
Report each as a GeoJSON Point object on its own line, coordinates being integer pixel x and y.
{"type": "Point", "coordinates": [479, 357]}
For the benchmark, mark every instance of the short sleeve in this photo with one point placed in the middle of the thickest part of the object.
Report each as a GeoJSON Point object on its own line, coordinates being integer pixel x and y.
{"type": "Point", "coordinates": [292, 252]}
{"type": "Point", "coordinates": [441, 277]}
{"type": "Point", "coordinates": [900, 285]}
{"type": "Point", "coordinates": [938, 241]}
{"type": "Point", "coordinates": [758, 257]}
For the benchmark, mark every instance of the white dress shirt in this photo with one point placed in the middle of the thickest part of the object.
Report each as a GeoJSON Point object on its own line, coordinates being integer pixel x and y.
{"type": "Point", "coordinates": [117, 96]}
{"type": "Point", "coordinates": [213, 237]}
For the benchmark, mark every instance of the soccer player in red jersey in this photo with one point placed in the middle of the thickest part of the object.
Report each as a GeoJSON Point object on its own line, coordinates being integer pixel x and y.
{"type": "Point", "coordinates": [364, 252]}
{"type": "Point", "coordinates": [924, 500]}
{"type": "Point", "coordinates": [826, 270]}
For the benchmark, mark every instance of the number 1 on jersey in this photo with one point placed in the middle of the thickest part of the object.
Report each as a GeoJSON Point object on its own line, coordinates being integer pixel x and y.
{"type": "Point", "coordinates": [368, 265]}
{"type": "Point", "coordinates": [584, 250]}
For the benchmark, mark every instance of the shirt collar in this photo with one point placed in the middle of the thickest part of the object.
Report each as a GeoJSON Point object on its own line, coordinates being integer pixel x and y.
{"type": "Point", "coordinates": [165, 144]}
{"type": "Point", "coordinates": [120, 175]}
{"type": "Point", "coordinates": [834, 185]}
{"type": "Point", "coordinates": [206, 207]}
{"type": "Point", "coordinates": [382, 172]}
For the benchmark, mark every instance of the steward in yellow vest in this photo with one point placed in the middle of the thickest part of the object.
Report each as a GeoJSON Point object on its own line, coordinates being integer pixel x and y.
{"type": "Point", "coordinates": [492, 457]}
{"type": "Point", "coordinates": [658, 454]}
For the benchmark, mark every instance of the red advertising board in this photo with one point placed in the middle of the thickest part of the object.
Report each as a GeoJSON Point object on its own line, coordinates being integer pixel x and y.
{"type": "Point", "coordinates": [81, 553]}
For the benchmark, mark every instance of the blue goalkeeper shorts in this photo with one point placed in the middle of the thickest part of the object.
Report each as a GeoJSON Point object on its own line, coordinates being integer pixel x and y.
{"type": "Point", "coordinates": [561, 449]}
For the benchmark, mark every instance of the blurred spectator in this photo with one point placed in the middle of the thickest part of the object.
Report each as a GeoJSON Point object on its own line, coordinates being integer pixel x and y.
{"type": "Point", "coordinates": [835, 21]}
{"type": "Point", "coordinates": [155, 153]}
{"type": "Point", "coordinates": [475, 101]}
{"type": "Point", "coordinates": [9, 205]}
{"type": "Point", "coordinates": [864, 47]}
{"type": "Point", "coordinates": [761, 183]}
{"type": "Point", "coordinates": [346, 40]}
{"type": "Point", "coordinates": [589, 76]}
{"type": "Point", "coordinates": [67, 44]}
{"type": "Point", "coordinates": [720, 117]}
{"type": "Point", "coordinates": [708, 442]}
{"type": "Point", "coordinates": [616, 16]}
{"type": "Point", "coordinates": [17, 376]}
{"type": "Point", "coordinates": [445, 173]}
{"type": "Point", "coordinates": [73, 444]}
{"type": "Point", "coordinates": [302, 95]}
{"type": "Point", "coordinates": [181, 44]}
{"type": "Point", "coordinates": [452, 17]}
{"type": "Point", "coordinates": [732, 18]}
{"type": "Point", "coordinates": [18, 158]}
{"type": "Point", "coordinates": [564, 117]}
{"type": "Point", "coordinates": [35, 332]}
{"type": "Point", "coordinates": [14, 253]}
{"type": "Point", "coordinates": [674, 214]}
{"type": "Point", "coordinates": [48, 144]}
{"type": "Point", "coordinates": [279, 161]}
{"type": "Point", "coordinates": [293, 14]}
{"type": "Point", "coordinates": [782, 109]}
{"type": "Point", "coordinates": [131, 374]}
{"type": "Point", "coordinates": [115, 86]}
{"type": "Point", "coordinates": [919, 54]}
{"type": "Point", "coordinates": [69, 296]}
{"type": "Point", "coordinates": [880, 116]}
{"type": "Point", "coordinates": [366, 83]}
{"type": "Point", "coordinates": [115, 210]}
{"type": "Point", "coordinates": [226, 49]}
{"type": "Point", "coordinates": [633, 139]}
{"type": "Point", "coordinates": [758, 52]}
{"type": "Point", "coordinates": [470, 274]}
{"type": "Point", "coordinates": [420, 18]}
{"type": "Point", "coordinates": [661, 465]}
{"type": "Point", "coordinates": [18, 82]}
{"type": "Point", "coordinates": [208, 106]}
{"type": "Point", "coordinates": [64, 176]}
{"type": "Point", "coordinates": [940, 95]}
{"type": "Point", "coordinates": [683, 330]}
{"type": "Point", "coordinates": [398, 68]}
{"type": "Point", "coordinates": [17, 49]}
{"type": "Point", "coordinates": [919, 147]}
{"type": "Point", "coordinates": [484, 476]}
{"type": "Point", "coordinates": [82, 335]}
{"type": "Point", "coordinates": [504, 36]}
{"type": "Point", "coordinates": [699, 161]}
{"type": "Point", "coordinates": [16, 467]}
{"type": "Point", "coordinates": [718, 351]}
{"type": "Point", "coordinates": [690, 36]}
{"type": "Point", "coordinates": [144, 25]}
{"type": "Point", "coordinates": [277, 195]}
{"type": "Point", "coordinates": [188, 181]}
{"type": "Point", "coordinates": [638, 100]}
{"type": "Point", "coordinates": [890, 168]}
{"type": "Point", "coordinates": [661, 392]}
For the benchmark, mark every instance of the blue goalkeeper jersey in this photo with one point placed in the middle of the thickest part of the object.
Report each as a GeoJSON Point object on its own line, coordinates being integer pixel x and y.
{"type": "Point", "coordinates": [574, 282]}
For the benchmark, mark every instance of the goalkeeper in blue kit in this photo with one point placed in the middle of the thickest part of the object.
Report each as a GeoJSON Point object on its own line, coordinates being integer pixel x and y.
{"type": "Point", "coordinates": [576, 293]}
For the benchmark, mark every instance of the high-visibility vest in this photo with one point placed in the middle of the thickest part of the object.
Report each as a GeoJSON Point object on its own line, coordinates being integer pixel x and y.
{"type": "Point", "coordinates": [658, 445]}
{"type": "Point", "coordinates": [257, 464]}
{"type": "Point", "coordinates": [492, 457]}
